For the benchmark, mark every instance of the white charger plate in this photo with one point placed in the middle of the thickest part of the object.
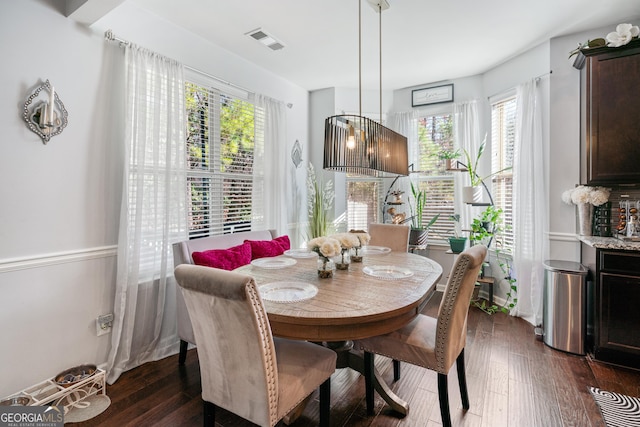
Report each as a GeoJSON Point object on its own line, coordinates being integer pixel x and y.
{"type": "Point", "coordinates": [287, 292]}
{"type": "Point", "coordinates": [375, 250]}
{"type": "Point", "coordinates": [389, 272]}
{"type": "Point", "coordinates": [301, 253]}
{"type": "Point", "coordinates": [273, 262]}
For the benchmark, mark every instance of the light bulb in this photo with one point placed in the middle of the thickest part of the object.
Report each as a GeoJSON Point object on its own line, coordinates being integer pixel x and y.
{"type": "Point", "coordinates": [351, 139]}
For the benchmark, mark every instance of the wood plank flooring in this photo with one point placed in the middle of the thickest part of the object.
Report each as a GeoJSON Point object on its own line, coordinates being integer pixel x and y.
{"type": "Point", "coordinates": [513, 379]}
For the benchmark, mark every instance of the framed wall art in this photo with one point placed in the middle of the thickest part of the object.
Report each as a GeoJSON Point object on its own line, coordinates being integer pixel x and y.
{"type": "Point", "coordinates": [432, 95]}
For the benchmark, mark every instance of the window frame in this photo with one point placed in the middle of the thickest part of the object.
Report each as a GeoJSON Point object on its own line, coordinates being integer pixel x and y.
{"type": "Point", "coordinates": [212, 169]}
{"type": "Point", "coordinates": [444, 226]}
{"type": "Point", "coordinates": [502, 182]}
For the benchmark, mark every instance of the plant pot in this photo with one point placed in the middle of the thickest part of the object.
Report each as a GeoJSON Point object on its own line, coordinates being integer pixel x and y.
{"type": "Point", "coordinates": [452, 165]}
{"type": "Point", "coordinates": [457, 244]}
{"type": "Point", "coordinates": [488, 225]}
{"type": "Point", "coordinates": [472, 195]}
{"type": "Point", "coordinates": [418, 237]}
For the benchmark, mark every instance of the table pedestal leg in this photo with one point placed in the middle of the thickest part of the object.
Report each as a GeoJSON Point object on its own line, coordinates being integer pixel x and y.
{"type": "Point", "coordinates": [349, 358]}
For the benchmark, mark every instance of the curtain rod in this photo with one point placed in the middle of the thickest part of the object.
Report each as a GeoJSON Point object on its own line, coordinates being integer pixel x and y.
{"type": "Point", "coordinates": [544, 75]}
{"type": "Point", "coordinates": [513, 89]}
{"type": "Point", "coordinates": [108, 35]}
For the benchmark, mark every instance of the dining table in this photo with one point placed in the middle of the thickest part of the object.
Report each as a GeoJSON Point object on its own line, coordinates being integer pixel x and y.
{"type": "Point", "coordinates": [382, 293]}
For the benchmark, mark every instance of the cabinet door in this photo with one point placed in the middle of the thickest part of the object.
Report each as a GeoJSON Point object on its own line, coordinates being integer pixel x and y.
{"type": "Point", "coordinates": [619, 315]}
{"type": "Point", "coordinates": [613, 116]}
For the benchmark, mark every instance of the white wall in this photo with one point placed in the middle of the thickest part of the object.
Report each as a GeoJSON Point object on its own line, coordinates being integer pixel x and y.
{"type": "Point", "coordinates": [59, 221]}
{"type": "Point", "coordinates": [565, 142]}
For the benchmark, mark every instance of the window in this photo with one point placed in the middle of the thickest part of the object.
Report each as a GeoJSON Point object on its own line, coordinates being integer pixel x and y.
{"type": "Point", "coordinates": [503, 130]}
{"type": "Point", "coordinates": [363, 207]}
{"type": "Point", "coordinates": [435, 133]}
{"type": "Point", "coordinates": [222, 131]}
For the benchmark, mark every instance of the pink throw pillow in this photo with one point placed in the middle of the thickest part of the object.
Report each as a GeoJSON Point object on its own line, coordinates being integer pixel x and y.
{"type": "Point", "coordinates": [225, 259]}
{"type": "Point", "coordinates": [269, 248]}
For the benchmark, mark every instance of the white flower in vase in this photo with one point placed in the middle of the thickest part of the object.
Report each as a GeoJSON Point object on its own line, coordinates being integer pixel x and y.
{"type": "Point", "coordinates": [622, 35]}
{"type": "Point", "coordinates": [364, 239]}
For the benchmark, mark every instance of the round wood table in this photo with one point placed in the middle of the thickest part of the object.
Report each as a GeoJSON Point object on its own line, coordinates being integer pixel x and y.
{"type": "Point", "coordinates": [351, 305]}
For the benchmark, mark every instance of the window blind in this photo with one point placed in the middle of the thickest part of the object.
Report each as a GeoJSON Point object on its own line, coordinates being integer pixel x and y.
{"type": "Point", "coordinates": [364, 195]}
{"type": "Point", "coordinates": [435, 133]}
{"type": "Point", "coordinates": [503, 128]}
{"type": "Point", "coordinates": [363, 202]}
{"type": "Point", "coordinates": [222, 132]}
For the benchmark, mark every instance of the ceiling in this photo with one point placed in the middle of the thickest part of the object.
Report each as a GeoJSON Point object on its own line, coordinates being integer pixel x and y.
{"type": "Point", "coordinates": [423, 41]}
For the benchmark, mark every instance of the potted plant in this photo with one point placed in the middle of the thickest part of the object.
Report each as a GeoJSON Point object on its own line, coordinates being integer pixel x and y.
{"type": "Point", "coordinates": [486, 226]}
{"type": "Point", "coordinates": [457, 242]}
{"type": "Point", "coordinates": [449, 156]}
{"type": "Point", "coordinates": [473, 193]}
{"type": "Point", "coordinates": [419, 231]}
{"type": "Point", "coordinates": [319, 202]}
{"type": "Point", "coordinates": [490, 219]}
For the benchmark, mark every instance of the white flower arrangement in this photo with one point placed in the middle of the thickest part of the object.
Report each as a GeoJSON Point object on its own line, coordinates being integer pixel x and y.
{"type": "Point", "coordinates": [585, 194]}
{"type": "Point", "coordinates": [326, 247]}
{"type": "Point", "coordinates": [623, 34]}
{"type": "Point", "coordinates": [347, 240]}
{"type": "Point", "coordinates": [362, 236]}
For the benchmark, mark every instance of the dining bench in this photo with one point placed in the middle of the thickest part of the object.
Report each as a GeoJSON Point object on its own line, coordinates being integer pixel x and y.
{"type": "Point", "coordinates": [182, 254]}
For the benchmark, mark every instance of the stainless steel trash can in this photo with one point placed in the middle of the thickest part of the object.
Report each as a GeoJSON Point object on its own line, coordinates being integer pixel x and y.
{"type": "Point", "coordinates": [564, 318]}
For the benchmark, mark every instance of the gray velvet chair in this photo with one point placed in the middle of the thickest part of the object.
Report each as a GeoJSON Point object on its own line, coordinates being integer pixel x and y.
{"type": "Point", "coordinates": [182, 254]}
{"type": "Point", "coordinates": [243, 368]}
{"type": "Point", "coordinates": [393, 236]}
{"type": "Point", "coordinates": [434, 343]}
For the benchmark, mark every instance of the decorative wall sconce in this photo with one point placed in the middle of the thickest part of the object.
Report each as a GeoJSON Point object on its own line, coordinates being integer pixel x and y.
{"type": "Point", "coordinates": [46, 117]}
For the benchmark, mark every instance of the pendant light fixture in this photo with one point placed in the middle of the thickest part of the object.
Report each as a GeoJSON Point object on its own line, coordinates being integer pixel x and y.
{"type": "Point", "coordinates": [358, 145]}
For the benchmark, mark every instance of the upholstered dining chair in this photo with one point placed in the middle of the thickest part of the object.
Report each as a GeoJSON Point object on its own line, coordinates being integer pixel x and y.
{"type": "Point", "coordinates": [243, 368]}
{"type": "Point", "coordinates": [434, 343]}
{"type": "Point", "coordinates": [393, 236]}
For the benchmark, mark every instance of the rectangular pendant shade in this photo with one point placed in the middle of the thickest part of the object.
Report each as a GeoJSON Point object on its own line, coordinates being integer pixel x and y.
{"type": "Point", "coordinates": [378, 151]}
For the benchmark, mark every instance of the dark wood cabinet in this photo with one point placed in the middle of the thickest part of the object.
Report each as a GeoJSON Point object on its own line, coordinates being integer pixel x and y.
{"type": "Point", "coordinates": [611, 115]}
{"type": "Point", "coordinates": [617, 334]}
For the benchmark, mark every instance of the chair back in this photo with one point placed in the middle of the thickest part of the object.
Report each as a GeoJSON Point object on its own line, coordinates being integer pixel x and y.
{"type": "Point", "coordinates": [235, 346]}
{"type": "Point", "coordinates": [182, 255]}
{"type": "Point", "coordinates": [393, 236]}
{"type": "Point", "coordinates": [451, 331]}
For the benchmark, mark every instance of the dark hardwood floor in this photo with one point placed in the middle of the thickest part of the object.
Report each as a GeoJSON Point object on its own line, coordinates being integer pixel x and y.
{"type": "Point", "coordinates": [513, 379]}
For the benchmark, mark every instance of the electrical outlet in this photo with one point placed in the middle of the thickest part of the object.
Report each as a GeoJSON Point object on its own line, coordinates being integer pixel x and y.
{"type": "Point", "coordinates": [104, 323]}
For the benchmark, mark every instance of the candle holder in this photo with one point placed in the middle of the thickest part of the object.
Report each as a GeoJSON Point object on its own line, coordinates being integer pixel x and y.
{"type": "Point", "coordinates": [46, 117]}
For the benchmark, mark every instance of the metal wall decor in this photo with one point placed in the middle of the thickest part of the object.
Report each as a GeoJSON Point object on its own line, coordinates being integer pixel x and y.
{"type": "Point", "coordinates": [45, 115]}
{"type": "Point", "coordinates": [296, 154]}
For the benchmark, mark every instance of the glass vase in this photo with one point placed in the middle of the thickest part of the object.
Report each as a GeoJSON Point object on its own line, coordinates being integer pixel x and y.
{"type": "Point", "coordinates": [326, 267]}
{"type": "Point", "coordinates": [356, 254]}
{"type": "Point", "coordinates": [343, 260]}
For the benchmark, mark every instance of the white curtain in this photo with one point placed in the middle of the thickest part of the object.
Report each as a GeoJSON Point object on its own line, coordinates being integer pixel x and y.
{"type": "Point", "coordinates": [530, 208]}
{"type": "Point", "coordinates": [270, 164]}
{"type": "Point", "coordinates": [466, 134]}
{"type": "Point", "coordinates": [153, 211]}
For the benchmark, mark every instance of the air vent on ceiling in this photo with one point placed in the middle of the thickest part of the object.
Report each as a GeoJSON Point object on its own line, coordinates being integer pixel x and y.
{"type": "Point", "coordinates": [265, 38]}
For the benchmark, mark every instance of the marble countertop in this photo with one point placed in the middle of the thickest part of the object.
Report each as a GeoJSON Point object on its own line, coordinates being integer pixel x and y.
{"type": "Point", "coordinates": [609, 243]}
